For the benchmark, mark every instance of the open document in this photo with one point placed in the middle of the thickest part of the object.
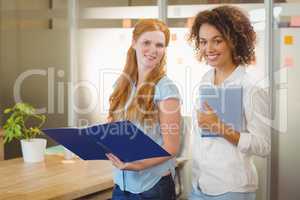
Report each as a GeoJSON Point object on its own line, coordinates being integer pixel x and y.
{"type": "Point", "coordinates": [121, 138]}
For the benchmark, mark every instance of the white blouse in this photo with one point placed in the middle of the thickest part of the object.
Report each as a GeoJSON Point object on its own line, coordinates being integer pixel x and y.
{"type": "Point", "coordinates": [218, 165]}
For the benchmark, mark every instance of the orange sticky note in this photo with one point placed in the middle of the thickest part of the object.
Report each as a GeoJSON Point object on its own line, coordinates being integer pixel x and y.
{"type": "Point", "coordinates": [288, 61]}
{"type": "Point", "coordinates": [190, 22]}
{"type": "Point", "coordinates": [288, 40]}
{"type": "Point", "coordinates": [173, 37]}
{"type": "Point", "coordinates": [126, 23]}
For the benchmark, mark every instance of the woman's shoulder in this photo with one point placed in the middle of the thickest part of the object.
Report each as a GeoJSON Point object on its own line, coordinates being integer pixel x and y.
{"type": "Point", "coordinates": [166, 83]}
{"type": "Point", "coordinates": [165, 80]}
{"type": "Point", "coordinates": [166, 88]}
{"type": "Point", "coordinates": [207, 76]}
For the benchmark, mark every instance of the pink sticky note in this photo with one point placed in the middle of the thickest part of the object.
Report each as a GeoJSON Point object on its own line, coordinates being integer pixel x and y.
{"type": "Point", "coordinates": [288, 61]}
{"type": "Point", "coordinates": [295, 21]}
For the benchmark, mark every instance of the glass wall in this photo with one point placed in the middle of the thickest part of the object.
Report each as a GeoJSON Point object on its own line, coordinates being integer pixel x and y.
{"type": "Point", "coordinates": [34, 59]}
{"type": "Point", "coordinates": [285, 178]}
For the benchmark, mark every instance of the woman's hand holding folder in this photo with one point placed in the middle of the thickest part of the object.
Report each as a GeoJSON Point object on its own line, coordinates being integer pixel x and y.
{"type": "Point", "coordinates": [209, 120]}
{"type": "Point", "coordinates": [132, 166]}
{"type": "Point", "coordinates": [116, 161]}
{"type": "Point", "coordinates": [136, 165]}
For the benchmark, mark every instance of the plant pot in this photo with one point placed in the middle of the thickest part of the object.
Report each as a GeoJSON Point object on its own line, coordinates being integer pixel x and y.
{"type": "Point", "coordinates": [33, 150]}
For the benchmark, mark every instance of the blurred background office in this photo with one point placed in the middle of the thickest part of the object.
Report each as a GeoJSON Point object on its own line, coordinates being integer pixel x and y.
{"type": "Point", "coordinates": [64, 55]}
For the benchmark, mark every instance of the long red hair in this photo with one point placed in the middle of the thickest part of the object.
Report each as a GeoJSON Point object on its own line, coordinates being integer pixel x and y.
{"type": "Point", "coordinates": [142, 107]}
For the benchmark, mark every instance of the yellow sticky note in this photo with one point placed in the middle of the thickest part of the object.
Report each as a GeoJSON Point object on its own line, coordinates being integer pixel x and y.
{"type": "Point", "coordinates": [288, 40]}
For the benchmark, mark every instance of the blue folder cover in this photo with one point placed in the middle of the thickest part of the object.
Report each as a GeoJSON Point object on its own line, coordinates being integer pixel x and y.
{"type": "Point", "coordinates": [226, 102]}
{"type": "Point", "coordinates": [121, 138]}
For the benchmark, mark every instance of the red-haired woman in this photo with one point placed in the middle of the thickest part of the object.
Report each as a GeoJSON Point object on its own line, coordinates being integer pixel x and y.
{"type": "Point", "coordinates": [144, 95]}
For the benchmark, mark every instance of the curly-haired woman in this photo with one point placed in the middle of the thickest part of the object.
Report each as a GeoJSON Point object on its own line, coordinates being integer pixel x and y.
{"type": "Point", "coordinates": [144, 95]}
{"type": "Point", "coordinates": [222, 166]}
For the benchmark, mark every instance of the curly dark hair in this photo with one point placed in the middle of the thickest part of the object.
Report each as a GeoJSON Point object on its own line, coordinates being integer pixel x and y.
{"type": "Point", "coordinates": [234, 26]}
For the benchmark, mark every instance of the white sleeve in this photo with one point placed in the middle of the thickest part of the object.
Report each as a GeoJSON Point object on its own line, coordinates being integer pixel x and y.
{"type": "Point", "coordinates": [257, 139]}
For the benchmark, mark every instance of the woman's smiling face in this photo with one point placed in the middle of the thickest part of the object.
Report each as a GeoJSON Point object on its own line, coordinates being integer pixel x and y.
{"type": "Point", "coordinates": [213, 46]}
{"type": "Point", "coordinates": [150, 49]}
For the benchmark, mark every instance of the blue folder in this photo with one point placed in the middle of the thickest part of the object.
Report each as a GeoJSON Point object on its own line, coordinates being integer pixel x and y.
{"type": "Point", "coordinates": [226, 102]}
{"type": "Point", "coordinates": [121, 138]}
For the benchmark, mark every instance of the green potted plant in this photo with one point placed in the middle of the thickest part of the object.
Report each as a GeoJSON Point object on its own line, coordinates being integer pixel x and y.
{"type": "Point", "coordinates": [24, 124]}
